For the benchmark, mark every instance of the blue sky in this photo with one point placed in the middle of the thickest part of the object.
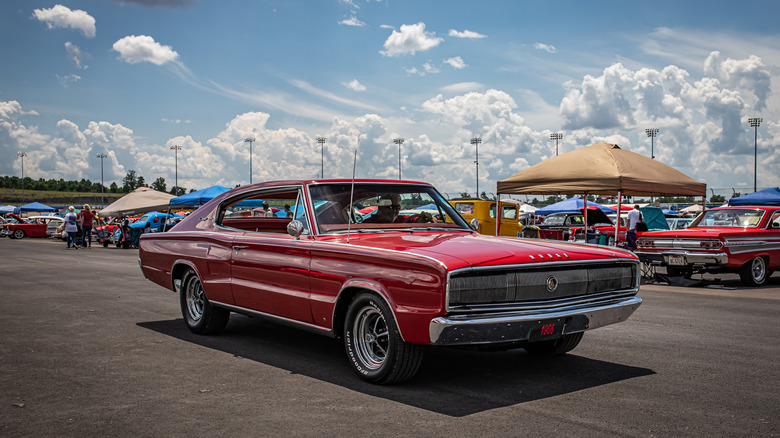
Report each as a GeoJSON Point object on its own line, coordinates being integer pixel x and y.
{"type": "Point", "coordinates": [131, 78]}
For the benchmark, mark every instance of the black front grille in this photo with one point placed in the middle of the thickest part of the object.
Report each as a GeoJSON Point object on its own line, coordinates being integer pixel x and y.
{"type": "Point", "coordinates": [523, 285]}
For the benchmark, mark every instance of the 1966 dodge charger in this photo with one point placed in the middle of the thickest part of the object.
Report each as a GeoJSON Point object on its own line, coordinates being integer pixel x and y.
{"type": "Point", "coordinates": [343, 262]}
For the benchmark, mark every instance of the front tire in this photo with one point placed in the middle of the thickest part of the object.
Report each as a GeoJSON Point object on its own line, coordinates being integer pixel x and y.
{"type": "Point", "coordinates": [754, 272]}
{"type": "Point", "coordinates": [19, 234]}
{"type": "Point", "coordinates": [555, 347]}
{"type": "Point", "coordinates": [373, 343]}
{"type": "Point", "coordinates": [199, 315]}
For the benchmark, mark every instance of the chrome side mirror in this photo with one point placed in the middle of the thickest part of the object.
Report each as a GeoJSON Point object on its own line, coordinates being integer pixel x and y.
{"type": "Point", "coordinates": [295, 229]}
{"type": "Point", "coordinates": [474, 224]}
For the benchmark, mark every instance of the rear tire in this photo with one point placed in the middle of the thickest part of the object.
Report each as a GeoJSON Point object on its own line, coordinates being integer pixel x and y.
{"type": "Point", "coordinates": [373, 343]}
{"type": "Point", "coordinates": [555, 347]}
{"type": "Point", "coordinates": [199, 315]}
{"type": "Point", "coordinates": [754, 272]}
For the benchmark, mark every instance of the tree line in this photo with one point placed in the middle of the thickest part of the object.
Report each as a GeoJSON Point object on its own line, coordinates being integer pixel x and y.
{"type": "Point", "coordinates": [130, 182]}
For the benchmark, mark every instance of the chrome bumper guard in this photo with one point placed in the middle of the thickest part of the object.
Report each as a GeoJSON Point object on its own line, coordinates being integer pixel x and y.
{"type": "Point", "coordinates": [475, 329]}
{"type": "Point", "coordinates": [691, 258]}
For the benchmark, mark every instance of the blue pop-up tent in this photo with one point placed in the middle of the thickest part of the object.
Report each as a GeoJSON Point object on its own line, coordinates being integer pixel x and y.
{"type": "Point", "coordinates": [769, 196]}
{"type": "Point", "coordinates": [34, 206]}
{"type": "Point", "coordinates": [571, 204]}
{"type": "Point", "coordinates": [198, 197]}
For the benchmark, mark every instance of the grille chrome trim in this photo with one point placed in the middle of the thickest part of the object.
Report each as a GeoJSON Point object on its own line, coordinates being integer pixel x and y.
{"type": "Point", "coordinates": [515, 287]}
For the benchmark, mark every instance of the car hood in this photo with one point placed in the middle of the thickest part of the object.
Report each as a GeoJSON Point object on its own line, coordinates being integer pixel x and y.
{"type": "Point", "coordinates": [460, 249]}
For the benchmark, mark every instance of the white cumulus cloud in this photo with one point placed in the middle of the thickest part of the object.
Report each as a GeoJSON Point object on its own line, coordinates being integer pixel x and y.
{"type": "Point", "coordinates": [410, 39]}
{"type": "Point", "coordinates": [63, 17]}
{"type": "Point", "coordinates": [142, 48]}
{"type": "Point", "coordinates": [546, 47]}
{"type": "Point", "coordinates": [354, 85]}
{"type": "Point", "coordinates": [466, 34]}
{"type": "Point", "coordinates": [77, 57]}
{"type": "Point", "coordinates": [456, 63]}
{"type": "Point", "coordinates": [352, 21]}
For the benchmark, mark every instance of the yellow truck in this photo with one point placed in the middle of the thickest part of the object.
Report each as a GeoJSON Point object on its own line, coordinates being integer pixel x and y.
{"type": "Point", "coordinates": [484, 211]}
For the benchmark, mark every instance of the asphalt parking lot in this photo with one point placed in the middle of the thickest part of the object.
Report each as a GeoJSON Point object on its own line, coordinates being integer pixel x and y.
{"type": "Point", "coordinates": [91, 348]}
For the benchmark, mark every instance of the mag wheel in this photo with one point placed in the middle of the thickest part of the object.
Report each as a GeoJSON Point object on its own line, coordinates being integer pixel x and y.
{"type": "Point", "coordinates": [199, 315]}
{"type": "Point", "coordinates": [19, 234]}
{"type": "Point", "coordinates": [754, 272]}
{"type": "Point", "coordinates": [374, 346]}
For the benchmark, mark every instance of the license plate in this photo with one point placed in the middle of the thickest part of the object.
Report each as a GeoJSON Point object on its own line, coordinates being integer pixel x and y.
{"type": "Point", "coordinates": [547, 329]}
{"type": "Point", "coordinates": [677, 260]}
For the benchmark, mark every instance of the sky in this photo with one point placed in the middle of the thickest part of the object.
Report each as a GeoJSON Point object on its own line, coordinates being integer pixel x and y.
{"type": "Point", "coordinates": [132, 78]}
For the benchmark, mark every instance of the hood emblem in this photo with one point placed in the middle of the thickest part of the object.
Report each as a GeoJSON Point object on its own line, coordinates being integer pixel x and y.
{"type": "Point", "coordinates": [552, 284]}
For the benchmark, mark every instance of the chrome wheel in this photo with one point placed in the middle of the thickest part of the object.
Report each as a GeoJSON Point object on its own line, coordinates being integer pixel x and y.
{"type": "Point", "coordinates": [758, 268]}
{"type": "Point", "coordinates": [195, 299]}
{"type": "Point", "coordinates": [18, 234]}
{"type": "Point", "coordinates": [754, 272]}
{"type": "Point", "coordinates": [371, 337]}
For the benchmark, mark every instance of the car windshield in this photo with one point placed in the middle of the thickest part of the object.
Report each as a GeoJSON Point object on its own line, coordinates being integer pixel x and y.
{"type": "Point", "coordinates": [731, 218]}
{"type": "Point", "coordinates": [555, 219]}
{"type": "Point", "coordinates": [377, 207]}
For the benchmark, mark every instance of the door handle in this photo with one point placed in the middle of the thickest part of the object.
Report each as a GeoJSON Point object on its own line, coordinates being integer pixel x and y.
{"type": "Point", "coordinates": [239, 247]}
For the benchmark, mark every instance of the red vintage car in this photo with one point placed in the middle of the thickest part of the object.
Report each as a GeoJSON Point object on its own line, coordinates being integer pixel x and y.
{"type": "Point", "coordinates": [18, 228]}
{"type": "Point", "coordinates": [745, 240]}
{"type": "Point", "coordinates": [386, 284]}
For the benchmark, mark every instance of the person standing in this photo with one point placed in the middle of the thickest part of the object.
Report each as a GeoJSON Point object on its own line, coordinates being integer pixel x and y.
{"type": "Point", "coordinates": [634, 217]}
{"type": "Point", "coordinates": [86, 226]}
{"type": "Point", "coordinates": [72, 226]}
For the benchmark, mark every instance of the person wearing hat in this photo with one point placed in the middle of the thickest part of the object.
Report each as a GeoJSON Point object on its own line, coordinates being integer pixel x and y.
{"type": "Point", "coordinates": [268, 211]}
{"type": "Point", "coordinates": [72, 226]}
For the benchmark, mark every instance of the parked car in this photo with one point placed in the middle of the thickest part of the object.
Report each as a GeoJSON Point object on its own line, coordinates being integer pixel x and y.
{"type": "Point", "coordinates": [485, 212]}
{"type": "Point", "coordinates": [152, 222]}
{"type": "Point", "coordinates": [53, 224]}
{"type": "Point", "coordinates": [387, 285]}
{"type": "Point", "coordinates": [569, 226]}
{"type": "Point", "coordinates": [745, 240]}
{"type": "Point", "coordinates": [18, 228]}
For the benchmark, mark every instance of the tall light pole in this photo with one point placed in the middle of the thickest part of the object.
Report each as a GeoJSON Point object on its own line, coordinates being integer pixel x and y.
{"type": "Point", "coordinates": [21, 155]}
{"type": "Point", "coordinates": [399, 141]}
{"type": "Point", "coordinates": [476, 141]}
{"type": "Point", "coordinates": [250, 140]}
{"type": "Point", "coordinates": [321, 141]}
{"type": "Point", "coordinates": [755, 122]}
{"type": "Point", "coordinates": [102, 155]}
{"type": "Point", "coordinates": [176, 148]}
{"type": "Point", "coordinates": [652, 133]}
{"type": "Point", "coordinates": [556, 136]}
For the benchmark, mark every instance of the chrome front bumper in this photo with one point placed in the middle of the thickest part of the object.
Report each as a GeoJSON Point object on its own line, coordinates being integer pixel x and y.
{"type": "Point", "coordinates": [505, 327]}
{"type": "Point", "coordinates": [691, 258]}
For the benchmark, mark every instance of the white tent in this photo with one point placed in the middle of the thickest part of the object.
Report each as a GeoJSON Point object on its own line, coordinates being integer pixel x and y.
{"type": "Point", "coordinates": [140, 200]}
{"type": "Point", "coordinates": [695, 208]}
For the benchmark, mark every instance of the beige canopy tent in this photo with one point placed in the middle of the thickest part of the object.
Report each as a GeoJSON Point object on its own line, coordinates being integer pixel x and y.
{"type": "Point", "coordinates": [140, 200]}
{"type": "Point", "coordinates": [602, 169]}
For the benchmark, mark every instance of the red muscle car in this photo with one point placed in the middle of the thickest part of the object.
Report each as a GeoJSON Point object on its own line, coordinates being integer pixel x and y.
{"type": "Point", "coordinates": [745, 240]}
{"type": "Point", "coordinates": [388, 285]}
{"type": "Point", "coordinates": [18, 228]}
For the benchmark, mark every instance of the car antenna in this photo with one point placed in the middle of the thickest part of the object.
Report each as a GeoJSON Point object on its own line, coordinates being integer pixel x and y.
{"type": "Point", "coordinates": [351, 196]}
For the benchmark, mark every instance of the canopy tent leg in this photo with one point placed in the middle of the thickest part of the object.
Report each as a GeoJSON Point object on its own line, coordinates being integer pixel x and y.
{"type": "Point", "coordinates": [617, 222]}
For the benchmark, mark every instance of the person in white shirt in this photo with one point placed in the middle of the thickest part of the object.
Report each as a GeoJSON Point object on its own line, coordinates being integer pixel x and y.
{"type": "Point", "coordinates": [634, 217]}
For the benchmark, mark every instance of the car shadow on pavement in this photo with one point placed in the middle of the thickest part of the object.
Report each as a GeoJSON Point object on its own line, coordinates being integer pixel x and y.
{"type": "Point", "coordinates": [453, 382]}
